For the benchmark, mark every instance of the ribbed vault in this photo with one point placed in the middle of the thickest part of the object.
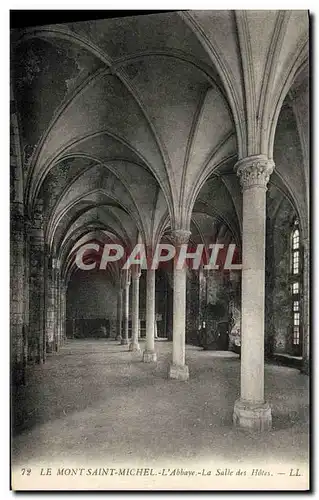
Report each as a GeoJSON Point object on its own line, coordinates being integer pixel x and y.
{"type": "Point", "coordinates": [134, 125]}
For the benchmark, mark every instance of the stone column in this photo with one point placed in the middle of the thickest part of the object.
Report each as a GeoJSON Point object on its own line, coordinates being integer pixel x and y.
{"type": "Point", "coordinates": [305, 308]}
{"type": "Point", "coordinates": [17, 275]}
{"type": "Point", "coordinates": [136, 274]}
{"type": "Point", "coordinates": [251, 411]}
{"type": "Point", "coordinates": [119, 313]}
{"type": "Point", "coordinates": [149, 354]}
{"type": "Point", "coordinates": [126, 284]}
{"type": "Point", "coordinates": [63, 311]}
{"type": "Point", "coordinates": [58, 307]}
{"type": "Point", "coordinates": [50, 309]}
{"type": "Point", "coordinates": [37, 344]}
{"type": "Point", "coordinates": [178, 369]}
{"type": "Point", "coordinates": [59, 314]}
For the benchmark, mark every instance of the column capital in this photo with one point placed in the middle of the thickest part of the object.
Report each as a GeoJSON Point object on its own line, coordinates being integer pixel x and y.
{"type": "Point", "coordinates": [254, 171]}
{"type": "Point", "coordinates": [180, 236]}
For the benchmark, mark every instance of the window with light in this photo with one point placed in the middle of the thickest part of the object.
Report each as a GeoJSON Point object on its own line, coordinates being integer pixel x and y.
{"type": "Point", "coordinates": [295, 272]}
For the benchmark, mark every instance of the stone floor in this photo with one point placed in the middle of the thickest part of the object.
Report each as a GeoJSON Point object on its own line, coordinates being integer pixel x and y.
{"type": "Point", "coordinates": [96, 400]}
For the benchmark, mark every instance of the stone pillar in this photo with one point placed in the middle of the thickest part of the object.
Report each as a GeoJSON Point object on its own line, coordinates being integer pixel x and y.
{"type": "Point", "coordinates": [50, 304]}
{"type": "Point", "coordinates": [119, 313]}
{"type": "Point", "coordinates": [136, 274]}
{"type": "Point", "coordinates": [63, 311]}
{"type": "Point", "coordinates": [126, 285]}
{"type": "Point", "coordinates": [57, 305]}
{"type": "Point", "coordinates": [17, 275]}
{"type": "Point", "coordinates": [251, 411]}
{"type": "Point", "coordinates": [59, 312]}
{"type": "Point", "coordinates": [178, 369]}
{"type": "Point", "coordinates": [36, 340]}
{"type": "Point", "coordinates": [149, 354]}
{"type": "Point", "coordinates": [305, 308]}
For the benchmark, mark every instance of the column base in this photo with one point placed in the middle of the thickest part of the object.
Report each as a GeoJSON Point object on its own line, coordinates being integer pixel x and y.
{"type": "Point", "coordinates": [124, 341]}
{"type": "Point", "coordinates": [255, 417]}
{"type": "Point", "coordinates": [178, 372]}
{"type": "Point", "coordinates": [134, 346]}
{"type": "Point", "coordinates": [149, 356]}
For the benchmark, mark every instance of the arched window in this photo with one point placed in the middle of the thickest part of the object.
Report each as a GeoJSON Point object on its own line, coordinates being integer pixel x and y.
{"type": "Point", "coordinates": [295, 251]}
{"type": "Point", "coordinates": [295, 288]}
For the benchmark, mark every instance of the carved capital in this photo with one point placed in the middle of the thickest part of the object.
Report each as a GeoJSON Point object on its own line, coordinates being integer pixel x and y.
{"type": "Point", "coordinates": [254, 171]}
{"type": "Point", "coordinates": [179, 237]}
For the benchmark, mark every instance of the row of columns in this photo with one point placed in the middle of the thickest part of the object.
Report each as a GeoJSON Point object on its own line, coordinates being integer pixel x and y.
{"type": "Point", "coordinates": [134, 275]}
{"type": "Point", "coordinates": [178, 369]}
{"type": "Point", "coordinates": [251, 410]}
{"type": "Point", "coordinates": [38, 299]}
{"type": "Point", "coordinates": [47, 294]}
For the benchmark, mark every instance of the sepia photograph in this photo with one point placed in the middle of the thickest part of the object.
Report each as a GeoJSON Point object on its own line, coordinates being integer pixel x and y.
{"type": "Point", "coordinates": [160, 247]}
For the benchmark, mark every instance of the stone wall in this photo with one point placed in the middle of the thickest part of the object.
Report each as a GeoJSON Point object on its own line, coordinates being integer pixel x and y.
{"type": "Point", "coordinates": [92, 302]}
{"type": "Point", "coordinates": [18, 330]}
{"type": "Point", "coordinates": [278, 302]}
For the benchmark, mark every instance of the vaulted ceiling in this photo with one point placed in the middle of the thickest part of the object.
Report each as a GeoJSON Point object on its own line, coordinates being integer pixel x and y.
{"type": "Point", "coordinates": [132, 125]}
